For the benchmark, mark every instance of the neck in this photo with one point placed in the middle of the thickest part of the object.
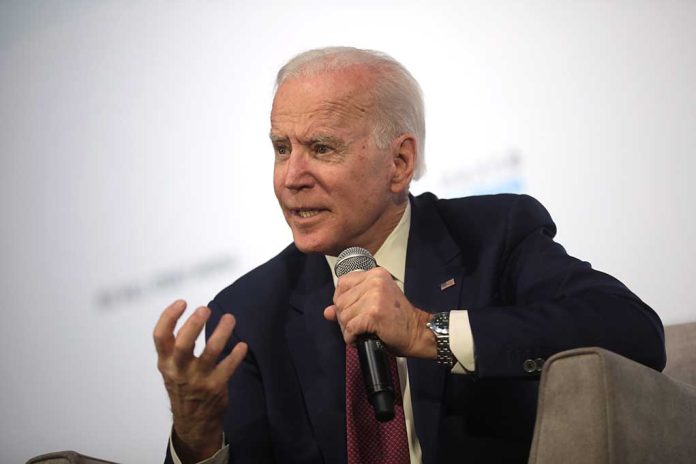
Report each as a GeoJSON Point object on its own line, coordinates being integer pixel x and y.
{"type": "Point", "coordinates": [392, 219]}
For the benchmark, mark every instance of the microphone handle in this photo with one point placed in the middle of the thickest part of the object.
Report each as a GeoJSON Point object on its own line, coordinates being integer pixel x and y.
{"type": "Point", "coordinates": [377, 377]}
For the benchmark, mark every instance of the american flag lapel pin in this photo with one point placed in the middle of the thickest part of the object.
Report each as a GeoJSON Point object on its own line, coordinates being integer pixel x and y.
{"type": "Point", "coordinates": [447, 284]}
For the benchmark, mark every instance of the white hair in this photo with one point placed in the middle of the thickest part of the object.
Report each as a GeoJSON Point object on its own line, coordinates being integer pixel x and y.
{"type": "Point", "coordinates": [398, 97]}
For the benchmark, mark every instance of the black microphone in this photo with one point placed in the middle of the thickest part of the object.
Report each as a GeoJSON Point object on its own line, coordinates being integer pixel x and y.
{"type": "Point", "coordinates": [371, 350]}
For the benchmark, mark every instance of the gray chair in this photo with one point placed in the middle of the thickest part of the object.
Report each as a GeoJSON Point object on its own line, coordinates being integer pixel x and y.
{"type": "Point", "coordinates": [597, 407]}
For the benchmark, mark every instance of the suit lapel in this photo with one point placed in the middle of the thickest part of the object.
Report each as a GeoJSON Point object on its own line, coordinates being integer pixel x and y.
{"type": "Point", "coordinates": [318, 352]}
{"type": "Point", "coordinates": [432, 259]}
{"type": "Point", "coordinates": [317, 348]}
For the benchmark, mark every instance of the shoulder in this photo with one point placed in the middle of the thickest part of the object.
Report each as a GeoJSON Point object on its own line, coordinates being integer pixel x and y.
{"type": "Point", "coordinates": [493, 206]}
{"type": "Point", "coordinates": [505, 212]}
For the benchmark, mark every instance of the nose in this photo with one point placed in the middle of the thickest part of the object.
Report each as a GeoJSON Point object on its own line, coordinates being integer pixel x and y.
{"type": "Point", "coordinates": [298, 174]}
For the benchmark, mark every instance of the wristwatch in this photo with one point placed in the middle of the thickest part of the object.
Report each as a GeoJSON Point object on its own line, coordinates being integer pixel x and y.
{"type": "Point", "coordinates": [439, 324]}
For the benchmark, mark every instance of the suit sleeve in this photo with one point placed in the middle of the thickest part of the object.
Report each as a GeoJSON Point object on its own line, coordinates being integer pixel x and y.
{"type": "Point", "coordinates": [548, 301]}
{"type": "Point", "coordinates": [246, 423]}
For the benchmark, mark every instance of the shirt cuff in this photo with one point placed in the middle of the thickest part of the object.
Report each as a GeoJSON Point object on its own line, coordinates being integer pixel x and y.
{"type": "Point", "coordinates": [461, 342]}
{"type": "Point", "coordinates": [221, 457]}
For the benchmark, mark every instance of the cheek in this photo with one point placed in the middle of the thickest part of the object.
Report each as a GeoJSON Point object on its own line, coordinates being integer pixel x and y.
{"type": "Point", "coordinates": [277, 181]}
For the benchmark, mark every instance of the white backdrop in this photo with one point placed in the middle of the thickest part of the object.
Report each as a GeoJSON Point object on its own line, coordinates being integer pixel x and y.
{"type": "Point", "coordinates": [136, 167]}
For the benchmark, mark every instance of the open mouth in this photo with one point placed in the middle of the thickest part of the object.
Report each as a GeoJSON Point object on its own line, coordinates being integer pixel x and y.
{"type": "Point", "coordinates": [306, 212]}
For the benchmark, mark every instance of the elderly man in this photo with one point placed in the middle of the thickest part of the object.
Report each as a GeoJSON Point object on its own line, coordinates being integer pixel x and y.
{"type": "Point", "coordinates": [470, 297]}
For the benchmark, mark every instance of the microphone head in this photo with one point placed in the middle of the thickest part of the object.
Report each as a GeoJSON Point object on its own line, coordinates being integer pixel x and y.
{"type": "Point", "coordinates": [354, 259]}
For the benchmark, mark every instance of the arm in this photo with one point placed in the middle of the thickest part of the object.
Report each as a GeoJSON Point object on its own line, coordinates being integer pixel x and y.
{"type": "Point", "coordinates": [549, 301]}
{"type": "Point", "coordinates": [197, 387]}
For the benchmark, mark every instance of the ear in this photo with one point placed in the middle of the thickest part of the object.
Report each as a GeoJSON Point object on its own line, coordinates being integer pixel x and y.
{"type": "Point", "coordinates": [405, 153]}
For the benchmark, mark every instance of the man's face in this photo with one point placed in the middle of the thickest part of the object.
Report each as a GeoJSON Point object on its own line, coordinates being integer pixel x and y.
{"type": "Point", "coordinates": [334, 185]}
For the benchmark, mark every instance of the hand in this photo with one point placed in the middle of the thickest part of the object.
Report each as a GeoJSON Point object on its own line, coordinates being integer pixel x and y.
{"type": "Point", "coordinates": [372, 302]}
{"type": "Point", "coordinates": [197, 387]}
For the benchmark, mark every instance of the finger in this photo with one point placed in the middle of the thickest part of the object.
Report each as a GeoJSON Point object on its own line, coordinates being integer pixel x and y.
{"type": "Point", "coordinates": [349, 306]}
{"type": "Point", "coordinates": [217, 341]}
{"type": "Point", "coordinates": [349, 292]}
{"type": "Point", "coordinates": [357, 301]}
{"type": "Point", "coordinates": [330, 313]}
{"type": "Point", "coordinates": [186, 338]}
{"type": "Point", "coordinates": [348, 299]}
{"type": "Point", "coordinates": [356, 327]}
{"type": "Point", "coordinates": [360, 311]}
{"type": "Point", "coordinates": [348, 281]}
{"type": "Point", "coordinates": [163, 333]}
{"type": "Point", "coordinates": [354, 289]}
{"type": "Point", "coordinates": [229, 365]}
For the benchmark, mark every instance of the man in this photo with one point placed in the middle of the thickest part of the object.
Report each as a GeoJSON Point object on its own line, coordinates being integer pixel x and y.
{"type": "Point", "coordinates": [347, 130]}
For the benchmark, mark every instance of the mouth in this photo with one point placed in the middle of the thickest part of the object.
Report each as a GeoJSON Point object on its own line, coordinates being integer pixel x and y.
{"type": "Point", "coordinates": [308, 213]}
{"type": "Point", "coordinates": [305, 213]}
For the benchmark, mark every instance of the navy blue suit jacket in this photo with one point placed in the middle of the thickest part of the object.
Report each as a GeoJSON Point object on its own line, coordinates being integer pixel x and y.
{"type": "Point", "coordinates": [527, 299]}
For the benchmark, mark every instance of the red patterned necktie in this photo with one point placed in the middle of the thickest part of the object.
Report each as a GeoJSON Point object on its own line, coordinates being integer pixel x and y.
{"type": "Point", "coordinates": [370, 441]}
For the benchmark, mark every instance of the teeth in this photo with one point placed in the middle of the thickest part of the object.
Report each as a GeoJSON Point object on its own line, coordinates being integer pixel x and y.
{"type": "Point", "coordinates": [306, 214]}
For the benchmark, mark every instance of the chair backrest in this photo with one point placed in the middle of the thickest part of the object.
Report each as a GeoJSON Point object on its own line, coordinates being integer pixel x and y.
{"type": "Point", "coordinates": [680, 342]}
{"type": "Point", "coordinates": [596, 407]}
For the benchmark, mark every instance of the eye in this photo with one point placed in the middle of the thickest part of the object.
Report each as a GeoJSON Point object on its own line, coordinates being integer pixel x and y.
{"type": "Point", "coordinates": [281, 149]}
{"type": "Point", "coordinates": [322, 149]}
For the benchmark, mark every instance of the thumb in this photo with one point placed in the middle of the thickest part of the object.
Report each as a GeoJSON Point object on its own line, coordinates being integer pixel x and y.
{"type": "Point", "coordinates": [330, 313]}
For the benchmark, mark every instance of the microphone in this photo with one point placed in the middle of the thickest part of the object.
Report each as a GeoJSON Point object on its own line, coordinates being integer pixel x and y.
{"type": "Point", "coordinates": [371, 351]}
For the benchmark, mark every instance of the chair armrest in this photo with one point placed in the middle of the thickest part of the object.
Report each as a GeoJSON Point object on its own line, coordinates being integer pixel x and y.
{"type": "Point", "coordinates": [601, 408]}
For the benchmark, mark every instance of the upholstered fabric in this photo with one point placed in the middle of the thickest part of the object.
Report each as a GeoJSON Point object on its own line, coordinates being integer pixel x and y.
{"type": "Point", "coordinates": [600, 408]}
{"type": "Point", "coordinates": [680, 342]}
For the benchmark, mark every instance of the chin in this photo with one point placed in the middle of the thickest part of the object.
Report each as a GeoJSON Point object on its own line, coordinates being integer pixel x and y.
{"type": "Point", "coordinates": [307, 245]}
{"type": "Point", "coordinates": [316, 245]}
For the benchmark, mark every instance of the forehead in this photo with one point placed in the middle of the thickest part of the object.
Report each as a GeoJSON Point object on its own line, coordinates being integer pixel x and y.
{"type": "Point", "coordinates": [326, 101]}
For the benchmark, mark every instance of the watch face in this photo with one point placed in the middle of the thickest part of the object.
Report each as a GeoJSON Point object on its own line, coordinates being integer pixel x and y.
{"type": "Point", "coordinates": [439, 330]}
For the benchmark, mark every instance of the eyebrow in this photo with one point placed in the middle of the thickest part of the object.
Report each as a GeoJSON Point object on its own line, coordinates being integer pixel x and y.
{"type": "Point", "coordinates": [319, 138]}
{"type": "Point", "coordinates": [277, 138]}
{"type": "Point", "coordinates": [328, 140]}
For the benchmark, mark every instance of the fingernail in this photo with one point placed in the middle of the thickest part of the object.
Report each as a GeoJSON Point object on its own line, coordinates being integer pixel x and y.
{"type": "Point", "coordinates": [203, 311]}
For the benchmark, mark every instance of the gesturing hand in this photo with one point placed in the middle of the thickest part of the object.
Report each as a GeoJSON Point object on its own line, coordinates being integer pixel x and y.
{"type": "Point", "coordinates": [197, 386]}
{"type": "Point", "coordinates": [372, 302]}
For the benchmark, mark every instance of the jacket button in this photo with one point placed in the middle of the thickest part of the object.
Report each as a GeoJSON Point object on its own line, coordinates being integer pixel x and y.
{"type": "Point", "coordinates": [539, 364]}
{"type": "Point", "coordinates": [529, 366]}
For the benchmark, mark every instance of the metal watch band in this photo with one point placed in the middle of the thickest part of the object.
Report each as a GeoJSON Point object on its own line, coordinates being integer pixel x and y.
{"type": "Point", "coordinates": [439, 324]}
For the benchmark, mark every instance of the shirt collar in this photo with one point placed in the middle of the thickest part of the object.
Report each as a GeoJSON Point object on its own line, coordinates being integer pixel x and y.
{"type": "Point", "coordinates": [392, 254]}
